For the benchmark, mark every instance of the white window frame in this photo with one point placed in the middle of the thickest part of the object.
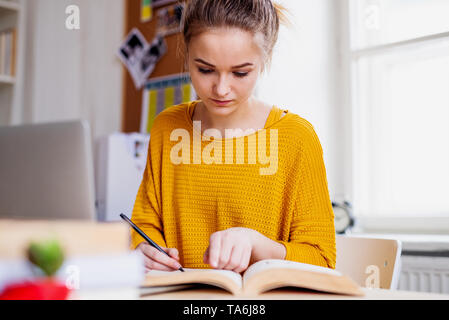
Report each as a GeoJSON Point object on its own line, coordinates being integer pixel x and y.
{"type": "Point", "coordinates": [382, 224]}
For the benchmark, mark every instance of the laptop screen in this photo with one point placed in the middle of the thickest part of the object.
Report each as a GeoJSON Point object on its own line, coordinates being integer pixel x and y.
{"type": "Point", "coordinates": [46, 171]}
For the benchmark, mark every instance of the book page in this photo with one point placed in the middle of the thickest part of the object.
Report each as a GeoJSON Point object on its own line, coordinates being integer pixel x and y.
{"type": "Point", "coordinates": [271, 274]}
{"type": "Point", "coordinates": [284, 264]}
{"type": "Point", "coordinates": [225, 279]}
{"type": "Point", "coordinates": [143, 291]}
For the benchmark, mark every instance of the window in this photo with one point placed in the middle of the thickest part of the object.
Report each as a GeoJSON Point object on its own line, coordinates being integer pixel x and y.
{"type": "Point", "coordinates": [399, 59]}
{"type": "Point", "coordinates": [379, 22]}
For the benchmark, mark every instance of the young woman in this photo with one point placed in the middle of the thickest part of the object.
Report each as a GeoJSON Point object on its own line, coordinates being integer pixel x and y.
{"type": "Point", "coordinates": [210, 195]}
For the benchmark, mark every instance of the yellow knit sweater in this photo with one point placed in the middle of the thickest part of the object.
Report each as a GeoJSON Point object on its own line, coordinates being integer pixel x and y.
{"type": "Point", "coordinates": [189, 193]}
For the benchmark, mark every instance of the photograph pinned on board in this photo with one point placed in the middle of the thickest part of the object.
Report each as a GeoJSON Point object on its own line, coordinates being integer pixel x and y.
{"type": "Point", "coordinates": [151, 55]}
{"type": "Point", "coordinates": [169, 19]}
{"type": "Point", "coordinates": [139, 57]}
{"type": "Point", "coordinates": [130, 53]}
{"type": "Point", "coordinates": [133, 47]}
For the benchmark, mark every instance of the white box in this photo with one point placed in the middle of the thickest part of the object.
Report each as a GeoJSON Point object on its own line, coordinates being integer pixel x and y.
{"type": "Point", "coordinates": [119, 166]}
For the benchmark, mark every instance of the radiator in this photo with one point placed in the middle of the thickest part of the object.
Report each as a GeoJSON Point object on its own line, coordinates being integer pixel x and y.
{"type": "Point", "coordinates": [424, 271]}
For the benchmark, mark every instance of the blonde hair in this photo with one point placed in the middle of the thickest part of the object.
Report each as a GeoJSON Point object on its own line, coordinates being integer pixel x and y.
{"type": "Point", "coordinates": [259, 17]}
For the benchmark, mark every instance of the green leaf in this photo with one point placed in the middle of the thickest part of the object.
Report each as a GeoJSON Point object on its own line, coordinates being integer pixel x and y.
{"type": "Point", "coordinates": [47, 255]}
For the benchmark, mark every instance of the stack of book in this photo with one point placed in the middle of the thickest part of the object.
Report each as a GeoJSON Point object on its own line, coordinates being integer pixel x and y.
{"type": "Point", "coordinates": [7, 52]}
{"type": "Point", "coordinates": [98, 262]}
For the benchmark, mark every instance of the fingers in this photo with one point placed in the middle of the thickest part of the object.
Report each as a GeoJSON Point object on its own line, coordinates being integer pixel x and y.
{"type": "Point", "coordinates": [214, 249]}
{"type": "Point", "coordinates": [153, 265]}
{"type": "Point", "coordinates": [225, 253]}
{"type": "Point", "coordinates": [235, 258]}
{"type": "Point", "coordinates": [160, 261]}
{"type": "Point", "coordinates": [244, 260]}
{"type": "Point", "coordinates": [173, 252]}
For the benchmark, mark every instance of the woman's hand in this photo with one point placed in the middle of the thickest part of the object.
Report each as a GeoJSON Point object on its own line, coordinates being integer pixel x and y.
{"type": "Point", "coordinates": [156, 260]}
{"type": "Point", "coordinates": [230, 249]}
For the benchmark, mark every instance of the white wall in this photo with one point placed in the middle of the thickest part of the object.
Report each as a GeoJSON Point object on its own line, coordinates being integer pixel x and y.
{"type": "Point", "coordinates": [74, 74]}
{"type": "Point", "coordinates": [304, 78]}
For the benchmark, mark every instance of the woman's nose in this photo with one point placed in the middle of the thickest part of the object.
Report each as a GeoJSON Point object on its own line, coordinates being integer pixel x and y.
{"type": "Point", "coordinates": [222, 87]}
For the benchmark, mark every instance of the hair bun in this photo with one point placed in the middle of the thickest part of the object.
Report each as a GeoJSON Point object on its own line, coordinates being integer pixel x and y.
{"type": "Point", "coordinates": [281, 12]}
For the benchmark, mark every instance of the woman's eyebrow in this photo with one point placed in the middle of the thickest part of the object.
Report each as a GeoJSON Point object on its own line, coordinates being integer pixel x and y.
{"type": "Point", "coordinates": [234, 67]}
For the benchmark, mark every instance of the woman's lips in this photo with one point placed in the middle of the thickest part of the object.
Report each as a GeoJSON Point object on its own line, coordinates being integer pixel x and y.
{"type": "Point", "coordinates": [221, 102]}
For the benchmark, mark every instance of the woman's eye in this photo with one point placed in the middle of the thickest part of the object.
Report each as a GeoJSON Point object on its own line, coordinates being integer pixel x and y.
{"type": "Point", "coordinates": [205, 71]}
{"type": "Point", "coordinates": [241, 74]}
{"type": "Point", "coordinates": [237, 74]}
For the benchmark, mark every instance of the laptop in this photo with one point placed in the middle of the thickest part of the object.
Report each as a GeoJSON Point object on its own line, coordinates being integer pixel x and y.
{"type": "Point", "coordinates": [46, 171]}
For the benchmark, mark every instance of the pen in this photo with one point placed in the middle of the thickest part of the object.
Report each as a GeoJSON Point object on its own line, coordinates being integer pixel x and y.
{"type": "Point", "coordinates": [151, 242]}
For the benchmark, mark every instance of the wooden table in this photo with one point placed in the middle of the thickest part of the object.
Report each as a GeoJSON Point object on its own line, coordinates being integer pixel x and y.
{"type": "Point", "coordinates": [293, 294]}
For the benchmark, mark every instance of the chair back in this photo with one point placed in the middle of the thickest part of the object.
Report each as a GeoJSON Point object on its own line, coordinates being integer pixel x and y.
{"type": "Point", "coordinates": [371, 262]}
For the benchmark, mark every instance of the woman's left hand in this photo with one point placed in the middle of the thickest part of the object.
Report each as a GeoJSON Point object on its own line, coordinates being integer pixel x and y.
{"type": "Point", "coordinates": [230, 249]}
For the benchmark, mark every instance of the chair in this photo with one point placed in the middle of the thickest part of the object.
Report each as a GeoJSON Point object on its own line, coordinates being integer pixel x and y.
{"type": "Point", "coordinates": [370, 262]}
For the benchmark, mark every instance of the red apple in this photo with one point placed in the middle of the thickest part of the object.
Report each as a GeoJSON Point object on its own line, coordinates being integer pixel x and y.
{"type": "Point", "coordinates": [39, 289]}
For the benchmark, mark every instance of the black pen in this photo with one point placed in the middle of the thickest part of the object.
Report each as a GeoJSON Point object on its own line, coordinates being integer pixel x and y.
{"type": "Point", "coordinates": [151, 242]}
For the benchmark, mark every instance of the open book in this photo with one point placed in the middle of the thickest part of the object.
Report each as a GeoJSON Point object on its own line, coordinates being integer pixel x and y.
{"type": "Point", "coordinates": [261, 276]}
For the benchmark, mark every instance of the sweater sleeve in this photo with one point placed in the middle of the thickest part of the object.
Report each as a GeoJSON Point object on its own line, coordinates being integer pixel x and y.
{"type": "Point", "coordinates": [312, 230]}
{"type": "Point", "coordinates": [146, 212]}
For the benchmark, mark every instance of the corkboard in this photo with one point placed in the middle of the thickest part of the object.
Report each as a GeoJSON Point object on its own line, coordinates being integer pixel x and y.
{"type": "Point", "coordinates": [170, 63]}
